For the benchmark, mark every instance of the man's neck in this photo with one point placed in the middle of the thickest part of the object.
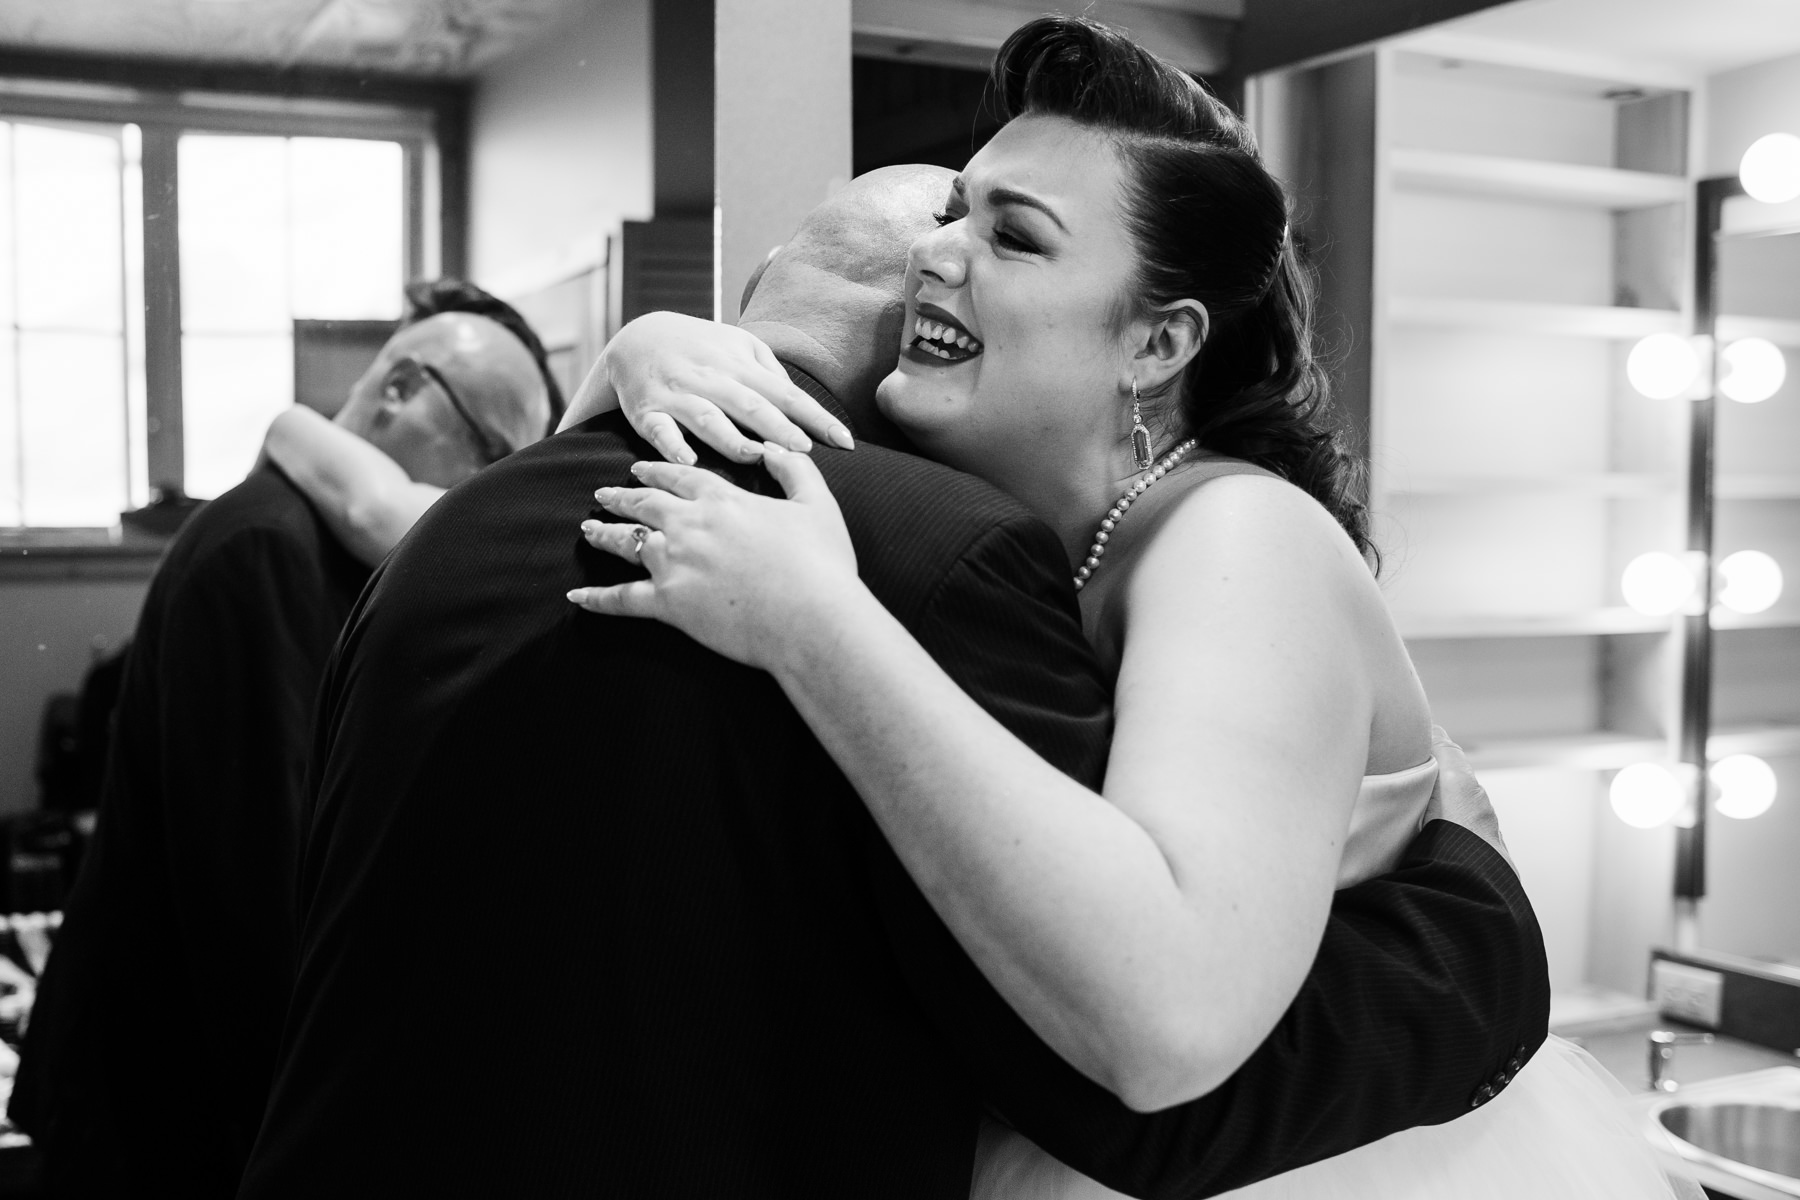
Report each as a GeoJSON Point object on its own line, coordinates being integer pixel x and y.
{"type": "Point", "coordinates": [803, 350]}
{"type": "Point", "coordinates": [851, 383]}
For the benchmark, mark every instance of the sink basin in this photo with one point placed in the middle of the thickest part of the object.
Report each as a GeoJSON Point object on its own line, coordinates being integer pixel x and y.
{"type": "Point", "coordinates": [1763, 1136]}
{"type": "Point", "coordinates": [1739, 1135]}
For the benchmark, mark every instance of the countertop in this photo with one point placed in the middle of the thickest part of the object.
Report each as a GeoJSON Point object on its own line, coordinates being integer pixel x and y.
{"type": "Point", "coordinates": [1621, 1046]}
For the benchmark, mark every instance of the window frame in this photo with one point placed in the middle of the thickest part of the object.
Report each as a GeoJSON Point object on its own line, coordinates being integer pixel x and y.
{"type": "Point", "coordinates": [429, 119]}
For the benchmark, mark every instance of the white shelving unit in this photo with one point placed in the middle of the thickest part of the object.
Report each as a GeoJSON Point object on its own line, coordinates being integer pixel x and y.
{"type": "Point", "coordinates": [1496, 225]}
{"type": "Point", "coordinates": [1610, 752]}
{"type": "Point", "coordinates": [1608, 188]}
{"type": "Point", "coordinates": [1530, 318]}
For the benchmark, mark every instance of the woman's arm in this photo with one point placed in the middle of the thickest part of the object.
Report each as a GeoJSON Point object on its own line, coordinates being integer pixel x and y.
{"type": "Point", "coordinates": [364, 496]}
{"type": "Point", "coordinates": [1152, 934]}
{"type": "Point", "coordinates": [668, 370]}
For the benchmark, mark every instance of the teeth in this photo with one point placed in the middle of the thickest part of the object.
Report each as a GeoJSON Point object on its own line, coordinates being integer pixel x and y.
{"type": "Point", "coordinates": [929, 331]}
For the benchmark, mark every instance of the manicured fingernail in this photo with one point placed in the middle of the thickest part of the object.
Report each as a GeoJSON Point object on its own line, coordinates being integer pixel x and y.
{"type": "Point", "coordinates": [800, 443]}
{"type": "Point", "coordinates": [637, 470]}
{"type": "Point", "coordinates": [590, 527]}
{"type": "Point", "coordinates": [577, 595]}
{"type": "Point", "coordinates": [604, 495]}
{"type": "Point", "coordinates": [840, 437]}
{"type": "Point", "coordinates": [686, 457]}
{"type": "Point", "coordinates": [773, 448]}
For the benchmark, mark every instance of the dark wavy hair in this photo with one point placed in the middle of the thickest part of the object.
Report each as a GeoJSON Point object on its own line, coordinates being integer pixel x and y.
{"type": "Point", "coordinates": [1210, 224]}
{"type": "Point", "coordinates": [429, 297]}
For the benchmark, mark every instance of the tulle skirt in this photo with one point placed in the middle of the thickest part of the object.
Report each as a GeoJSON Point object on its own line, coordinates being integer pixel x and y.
{"type": "Point", "coordinates": [1559, 1131]}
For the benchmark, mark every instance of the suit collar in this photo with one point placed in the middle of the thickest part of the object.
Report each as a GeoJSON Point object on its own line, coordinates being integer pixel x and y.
{"type": "Point", "coordinates": [873, 429]}
{"type": "Point", "coordinates": [818, 391]}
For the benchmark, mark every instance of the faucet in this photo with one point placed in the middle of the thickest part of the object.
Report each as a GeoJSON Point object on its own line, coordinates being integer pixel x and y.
{"type": "Point", "coordinates": [1662, 1055]}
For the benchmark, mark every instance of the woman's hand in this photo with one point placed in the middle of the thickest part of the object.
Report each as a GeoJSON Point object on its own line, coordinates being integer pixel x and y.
{"type": "Point", "coordinates": [744, 575]}
{"type": "Point", "coordinates": [667, 370]}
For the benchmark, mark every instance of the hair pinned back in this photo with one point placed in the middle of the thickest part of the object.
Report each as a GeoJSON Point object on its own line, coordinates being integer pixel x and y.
{"type": "Point", "coordinates": [1209, 224]}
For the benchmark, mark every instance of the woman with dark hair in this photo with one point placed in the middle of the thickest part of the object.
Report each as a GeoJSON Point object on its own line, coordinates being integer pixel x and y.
{"type": "Point", "coordinates": [1111, 325]}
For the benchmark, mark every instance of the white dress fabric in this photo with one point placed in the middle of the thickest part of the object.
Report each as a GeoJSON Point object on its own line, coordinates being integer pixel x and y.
{"type": "Point", "coordinates": [1559, 1131]}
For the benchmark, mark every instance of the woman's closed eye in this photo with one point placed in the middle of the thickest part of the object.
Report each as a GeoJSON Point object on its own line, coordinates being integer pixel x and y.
{"type": "Point", "coordinates": [1010, 239]}
{"type": "Point", "coordinates": [946, 217]}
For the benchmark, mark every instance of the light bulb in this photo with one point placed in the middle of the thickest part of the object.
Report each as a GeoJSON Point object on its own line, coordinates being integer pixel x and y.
{"type": "Point", "coordinates": [1645, 795]}
{"type": "Point", "coordinates": [1770, 168]}
{"type": "Point", "coordinates": [1663, 366]}
{"type": "Point", "coordinates": [1754, 371]}
{"type": "Point", "coordinates": [1746, 786]}
{"type": "Point", "coordinates": [1749, 581]}
{"type": "Point", "coordinates": [1656, 584]}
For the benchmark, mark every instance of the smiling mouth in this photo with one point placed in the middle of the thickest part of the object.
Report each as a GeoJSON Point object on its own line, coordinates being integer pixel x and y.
{"type": "Point", "coordinates": [943, 340]}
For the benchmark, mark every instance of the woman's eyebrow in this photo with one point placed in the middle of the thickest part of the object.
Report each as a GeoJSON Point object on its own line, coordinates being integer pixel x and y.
{"type": "Point", "coordinates": [1005, 195]}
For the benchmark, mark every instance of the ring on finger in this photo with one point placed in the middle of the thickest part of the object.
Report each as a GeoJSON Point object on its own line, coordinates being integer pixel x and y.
{"type": "Point", "coordinates": [639, 535]}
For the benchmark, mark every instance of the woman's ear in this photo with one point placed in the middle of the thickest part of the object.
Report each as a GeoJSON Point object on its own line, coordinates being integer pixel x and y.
{"type": "Point", "coordinates": [1172, 339]}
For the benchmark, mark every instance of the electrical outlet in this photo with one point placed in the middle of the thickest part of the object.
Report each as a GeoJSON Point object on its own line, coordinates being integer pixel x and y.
{"type": "Point", "coordinates": [1684, 993]}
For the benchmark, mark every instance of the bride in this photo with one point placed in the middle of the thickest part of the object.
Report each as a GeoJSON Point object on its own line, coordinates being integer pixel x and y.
{"type": "Point", "coordinates": [1110, 324]}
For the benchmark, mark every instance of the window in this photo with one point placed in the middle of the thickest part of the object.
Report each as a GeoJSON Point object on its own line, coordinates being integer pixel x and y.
{"type": "Point", "coordinates": [71, 369]}
{"type": "Point", "coordinates": [132, 360]}
{"type": "Point", "coordinates": [273, 229]}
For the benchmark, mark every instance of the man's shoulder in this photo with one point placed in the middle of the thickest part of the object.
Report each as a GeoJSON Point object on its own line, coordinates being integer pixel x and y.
{"type": "Point", "coordinates": [915, 522]}
{"type": "Point", "coordinates": [262, 516]}
{"type": "Point", "coordinates": [541, 476]}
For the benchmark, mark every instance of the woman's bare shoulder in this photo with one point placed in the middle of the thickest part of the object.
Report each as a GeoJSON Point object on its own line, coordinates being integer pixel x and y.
{"type": "Point", "coordinates": [1251, 555]}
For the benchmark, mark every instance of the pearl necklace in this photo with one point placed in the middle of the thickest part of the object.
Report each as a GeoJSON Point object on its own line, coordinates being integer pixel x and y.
{"type": "Point", "coordinates": [1116, 513]}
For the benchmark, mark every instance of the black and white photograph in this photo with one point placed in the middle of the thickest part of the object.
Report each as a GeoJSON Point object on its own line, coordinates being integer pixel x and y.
{"type": "Point", "coordinates": [900, 599]}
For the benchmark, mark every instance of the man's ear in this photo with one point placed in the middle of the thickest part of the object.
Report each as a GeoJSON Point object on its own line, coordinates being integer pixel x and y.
{"type": "Point", "coordinates": [385, 411]}
{"type": "Point", "coordinates": [1170, 341]}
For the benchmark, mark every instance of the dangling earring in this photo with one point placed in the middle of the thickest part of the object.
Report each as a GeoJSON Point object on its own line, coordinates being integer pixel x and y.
{"type": "Point", "coordinates": [1140, 437]}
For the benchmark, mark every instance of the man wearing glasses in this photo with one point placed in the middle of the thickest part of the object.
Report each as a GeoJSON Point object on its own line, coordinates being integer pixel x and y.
{"type": "Point", "coordinates": [155, 1028]}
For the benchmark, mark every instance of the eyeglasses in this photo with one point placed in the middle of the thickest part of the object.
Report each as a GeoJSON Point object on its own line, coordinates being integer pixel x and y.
{"type": "Point", "coordinates": [408, 376]}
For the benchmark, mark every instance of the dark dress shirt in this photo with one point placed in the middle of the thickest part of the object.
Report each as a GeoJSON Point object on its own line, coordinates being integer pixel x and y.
{"type": "Point", "coordinates": [155, 1030]}
{"type": "Point", "coordinates": [693, 968]}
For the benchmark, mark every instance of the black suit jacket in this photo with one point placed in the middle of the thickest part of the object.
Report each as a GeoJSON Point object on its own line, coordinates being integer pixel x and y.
{"type": "Point", "coordinates": [587, 910]}
{"type": "Point", "coordinates": [154, 1033]}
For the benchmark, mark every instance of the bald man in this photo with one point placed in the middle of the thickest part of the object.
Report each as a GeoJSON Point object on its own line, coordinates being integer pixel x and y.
{"type": "Point", "coordinates": [717, 980]}
{"type": "Point", "coordinates": [149, 1054]}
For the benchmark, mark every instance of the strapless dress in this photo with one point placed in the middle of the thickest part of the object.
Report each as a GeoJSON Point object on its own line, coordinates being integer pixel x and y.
{"type": "Point", "coordinates": [1559, 1131]}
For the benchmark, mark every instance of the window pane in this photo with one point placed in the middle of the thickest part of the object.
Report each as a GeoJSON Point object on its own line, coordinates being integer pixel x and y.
{"type": "Point", "coordinates": [136, 400]}
{"type": "Point", "coordinates": [72, 402]}
{"type": "Point", "coordinates": [347, 211]}
{"type": "Point", "coordinates": [234, 243]}
{"type": "Point", "coordinates": [9, 431]}
{"type": "Point", "coordinates": [232, 387]}
{"type": "Point", "coordinates": [66, 184]}
{"type": "Point", "coordinates": [8, 237]}
{"type": "Point", "coordinates": [9, 409]}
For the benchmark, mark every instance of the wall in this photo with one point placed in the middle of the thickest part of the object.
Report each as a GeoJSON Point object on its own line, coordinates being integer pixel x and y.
{"type": "Point", "coordinates": [560, 148]}
{"type": "Point", "coordinates": [783, 137]}
{"type": "Point", "coordinates": [1744, 104]}
{"type": "Point", "coordinates": [48, 629]}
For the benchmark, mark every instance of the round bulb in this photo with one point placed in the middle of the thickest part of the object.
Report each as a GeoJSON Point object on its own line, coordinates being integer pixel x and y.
{"type": "Point", "coordinates": [1656, 584]}
{"type": "Point", "coordinates": [1663, 366]}
{"type": "Point", "coordinates": [1645, 795]}
{"type": "Point", "coordinates": [1770, 169]}
{"type": "Point", "coordinates": [1749, 581]}
{"type": "Point", "coordinates": [1754, 371]}
{"type": "Point", "coordinates": [1746, 786]}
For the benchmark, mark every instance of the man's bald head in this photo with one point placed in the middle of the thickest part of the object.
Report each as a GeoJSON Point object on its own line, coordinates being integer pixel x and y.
{"type": "Point", "coordinates": [485, 368]}
{"type": "Point", "coordinates": [832, 299]}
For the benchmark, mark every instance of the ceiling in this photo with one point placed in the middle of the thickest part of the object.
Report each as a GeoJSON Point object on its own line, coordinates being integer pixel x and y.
{"type": "Point", "coordinates": [432, 38]}
{"type": "Point", "coordinates": [457, 38]}
{"type": "Point", "coordinates": [1696, 37]}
